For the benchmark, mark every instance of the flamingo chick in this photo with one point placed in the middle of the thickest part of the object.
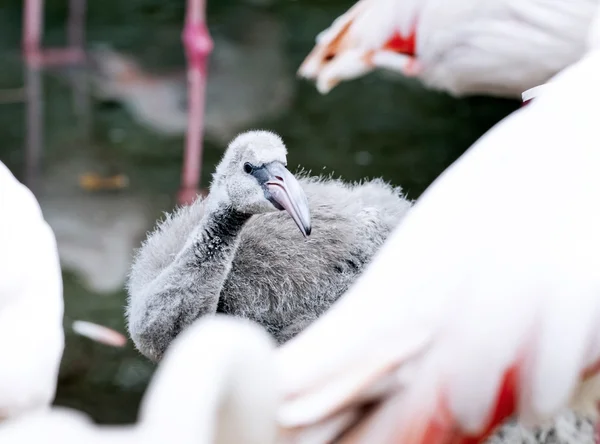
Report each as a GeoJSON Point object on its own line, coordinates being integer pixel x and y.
{"type": "Point", "coordinates": [264, 245]}
{"type": "Point", "coordinates": [463, 47]}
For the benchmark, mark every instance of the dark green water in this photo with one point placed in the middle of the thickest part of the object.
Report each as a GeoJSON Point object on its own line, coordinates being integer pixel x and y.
{"type": "Point", "coordinates": [369, 127]}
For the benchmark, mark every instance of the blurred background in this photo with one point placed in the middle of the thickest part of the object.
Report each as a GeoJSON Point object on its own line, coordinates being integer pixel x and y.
{"type": "Point", "coordinates": [124, 129]}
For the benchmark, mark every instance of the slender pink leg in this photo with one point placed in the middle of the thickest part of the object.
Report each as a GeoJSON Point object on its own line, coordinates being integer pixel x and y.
{"type": "Point", "coordinates": [35, 60]}
{"type": "Point", "coordinates": [198, 46]}
{"type": "Point", "coordinates": [76, 41]}
{"type": "Point", "coordinates": [32, 32]}
{"type": "Point", "coordinates": [33, 27]}
{"type": "Point", "coordinates": [35, 127]}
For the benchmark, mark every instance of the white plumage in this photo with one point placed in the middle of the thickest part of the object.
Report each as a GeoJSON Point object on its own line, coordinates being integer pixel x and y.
{"type": "Point", "coordinates": [31, 302]}
{"type": "Point", "coordinates": [214, 386]}
{"type": "Point", "coordinates": [464, 47]}
{"type": "Point", "coordinates": [488, 290]}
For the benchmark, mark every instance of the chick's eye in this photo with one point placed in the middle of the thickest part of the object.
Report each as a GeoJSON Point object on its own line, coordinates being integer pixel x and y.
{"type": "Point", "coordinates": [248, 168]}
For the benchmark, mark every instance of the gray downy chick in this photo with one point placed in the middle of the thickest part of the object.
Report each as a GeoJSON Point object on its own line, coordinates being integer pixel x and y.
{"type": "Point", "coordinates": [263, 245]}
{"type": "Point", "coordinates": [568, 427]}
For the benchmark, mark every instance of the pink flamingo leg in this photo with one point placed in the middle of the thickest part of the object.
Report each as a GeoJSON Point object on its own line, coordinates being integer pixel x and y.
{"type": "Point", "coordinates": [198, 46]}
{"type": "Point", "coordinates": [33, 27]}
{"type": "Point", "coordinates": [35, 60]}
{"type": "Point", "coordinates": [76, 41]}
{"type": "Point", "coordinates": [32, 32]}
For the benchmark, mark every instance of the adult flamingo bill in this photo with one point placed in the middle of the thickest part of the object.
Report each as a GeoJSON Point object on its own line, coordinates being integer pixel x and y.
{"type": "Point", "coordinates": [483, 303]}
{"type": "Point", "coordinates": [463, 47]}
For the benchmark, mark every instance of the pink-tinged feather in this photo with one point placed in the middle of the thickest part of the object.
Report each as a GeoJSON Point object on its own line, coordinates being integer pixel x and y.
{"type": "Point", "coordinates": [488, 290]}
{"type": "Point", "coordinates": [99, 333]}
{"type": "Point", "coordinates": [498, 48]}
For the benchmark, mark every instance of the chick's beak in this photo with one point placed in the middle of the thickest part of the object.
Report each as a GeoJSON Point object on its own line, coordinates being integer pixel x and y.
{"type": "Point", "coordinates": [284, 191]}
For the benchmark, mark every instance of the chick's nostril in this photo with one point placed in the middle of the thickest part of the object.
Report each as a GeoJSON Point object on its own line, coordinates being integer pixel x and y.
{"type": "Point", "coordinates": [279, 178]}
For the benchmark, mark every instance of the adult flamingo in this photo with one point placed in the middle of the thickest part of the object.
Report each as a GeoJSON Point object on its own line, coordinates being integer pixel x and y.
{"type": "Point", "coordinates": [487, 311]}
{"type": "Point", "coordinates": [31, 302]}
{"type": "Point", "coordinates": [215, 386]}
{"type": "Point", "coordinates": [464, 47]}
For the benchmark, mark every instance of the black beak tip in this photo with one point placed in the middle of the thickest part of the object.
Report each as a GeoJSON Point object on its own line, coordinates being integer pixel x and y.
{"type": "Point", "coordinates": [308, 230]}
